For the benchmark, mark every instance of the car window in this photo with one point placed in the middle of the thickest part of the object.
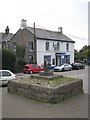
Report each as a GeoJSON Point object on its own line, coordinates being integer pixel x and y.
{"type": "Point", "coordinates": [5, 73]}
{"type": "Point", "coordinates": [34, 66]}
{"type": "Point", "coordinates": [79, 64]}
{"type": "Point", "coordinates": [65, 65]}
{"type": "Point", "coordinates": [38, 66]}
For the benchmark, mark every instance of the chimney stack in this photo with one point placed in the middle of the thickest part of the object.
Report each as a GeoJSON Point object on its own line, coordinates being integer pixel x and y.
{"type": "Point", "coordinates": [23, 24]}
{"type": "Point", "coordinates": [7, 30]}
{"type": "Point", "coordinates": [60, 29]}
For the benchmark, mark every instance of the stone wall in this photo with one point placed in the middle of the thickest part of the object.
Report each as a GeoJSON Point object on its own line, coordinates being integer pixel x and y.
{"type": "Point", "coordinates": [46, 94]}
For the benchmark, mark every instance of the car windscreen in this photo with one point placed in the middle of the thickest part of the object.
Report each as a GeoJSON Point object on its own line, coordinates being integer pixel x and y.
{"type": "Point", "coordinates": [60, 65]}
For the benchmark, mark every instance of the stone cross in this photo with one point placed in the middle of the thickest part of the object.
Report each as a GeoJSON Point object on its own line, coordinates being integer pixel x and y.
{"type": "Point", "coordinates": [46, 66]}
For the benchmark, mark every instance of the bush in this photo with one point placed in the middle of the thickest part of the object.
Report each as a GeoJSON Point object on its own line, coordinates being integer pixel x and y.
{"type": "Point", "coordinates": [8, 60]}
{"type": "Point", "coordinates": [21, 62]}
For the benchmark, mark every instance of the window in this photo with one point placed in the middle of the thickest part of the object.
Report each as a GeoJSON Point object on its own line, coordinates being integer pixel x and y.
{"type": "Point", "coordinates": [67, 58]}
{"type": "Point", "coordinates": [14, 46]}
{"type": "Point", "coordinates": [58, 46]}
{"type": "Point", "coordinates": [47, 46]}
{"type": "Point", "coordinates": [67, 47]}
{"type": "Point", "coordinates": [5, 74]}
{"type": "Point", "coordinates": [53, 61]}
{"type": "Point", "coordinates": [30, 57]}
{"type": "Point", "coordinates": [47, 57]}
{"type": "Point", "coordinates": [30, 45]}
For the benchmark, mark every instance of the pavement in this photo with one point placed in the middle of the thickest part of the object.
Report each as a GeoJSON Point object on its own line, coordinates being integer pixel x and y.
{"type": "Point", "coordinates": [14, 106]}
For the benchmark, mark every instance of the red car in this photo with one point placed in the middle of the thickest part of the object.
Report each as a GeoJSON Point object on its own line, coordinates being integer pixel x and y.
{"type": "Point", "coordinates": [32, 68]}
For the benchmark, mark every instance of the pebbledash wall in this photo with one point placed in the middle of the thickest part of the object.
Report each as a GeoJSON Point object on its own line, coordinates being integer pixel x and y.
{"type": "Point", "coordinates": [52, 54]}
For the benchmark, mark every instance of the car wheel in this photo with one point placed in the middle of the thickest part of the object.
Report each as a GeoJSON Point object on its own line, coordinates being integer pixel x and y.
{"type": "Point", "coordinates": [62, 69]}
{"type": "Point", "coordinates": [70, 69]}
{"type": "Point", "coordinates": [78, 68]}
{"type": "Point", "coordinates": [31, 72]}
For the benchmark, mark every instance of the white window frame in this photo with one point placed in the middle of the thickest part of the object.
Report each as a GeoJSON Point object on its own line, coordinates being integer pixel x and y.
{"type": "Point", "coordinates": [14, 46]}
{"type": "Point", "coordinates": [30, 46]}
{"type": "Point", "coordinates": [67, 47]}
{"type": "Point", "coordinates": [47, 47]}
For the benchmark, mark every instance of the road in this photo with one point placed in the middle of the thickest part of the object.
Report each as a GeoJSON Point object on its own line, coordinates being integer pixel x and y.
{"type": "Point", "coordinates": [81, 74]}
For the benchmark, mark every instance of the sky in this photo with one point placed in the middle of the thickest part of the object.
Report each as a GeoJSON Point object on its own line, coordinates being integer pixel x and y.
{"type": "Point", "coordinates": [71, 15]}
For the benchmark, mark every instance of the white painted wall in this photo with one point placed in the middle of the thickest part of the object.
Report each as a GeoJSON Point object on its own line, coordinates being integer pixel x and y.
{"type": "Point", "coordinates": [41, 51]}
{"type": "Point", "coordinates": [0, 40]}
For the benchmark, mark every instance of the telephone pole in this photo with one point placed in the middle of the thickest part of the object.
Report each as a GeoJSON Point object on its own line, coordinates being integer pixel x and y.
{"type": "Point", "coordinates": [35, 52]}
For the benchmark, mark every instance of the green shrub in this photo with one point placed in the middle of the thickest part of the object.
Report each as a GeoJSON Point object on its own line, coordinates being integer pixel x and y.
{"type": "Point", "coordinates": [8, 60]}
{"type": "Point", "coordinates": [21, 61]}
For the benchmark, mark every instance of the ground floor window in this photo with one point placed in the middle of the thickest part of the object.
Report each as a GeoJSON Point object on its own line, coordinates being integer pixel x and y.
{"type": "Point", "coordinates": [62, 58]}
{"type": "Point", "coordinates": [30, 58]}
{"type": "Point", "coordinates": [47, 57]}
{"type": "Point", "coordinates": [53, 61]}
{"type": "Point", "coordinates": [67, 58]}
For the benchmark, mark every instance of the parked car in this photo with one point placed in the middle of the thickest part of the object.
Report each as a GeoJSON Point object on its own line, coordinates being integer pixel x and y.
{"type": "Point", "coordinates": [32, 68]}
{"type": "Point", "coordinates": [52, 67]}
{"type": "Point", "coordinates": [63, 67]}
{"type": "Point", "coordinates": [5, 76]}
{"type": "Point", "coordinates": [77, 66]}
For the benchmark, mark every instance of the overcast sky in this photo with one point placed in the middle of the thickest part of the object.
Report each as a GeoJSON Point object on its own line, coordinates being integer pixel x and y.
{"type": "Point", "coordinates": [72, 15]}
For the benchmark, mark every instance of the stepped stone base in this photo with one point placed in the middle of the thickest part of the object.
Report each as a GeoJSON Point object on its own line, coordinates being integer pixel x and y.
{"type": "Point", "coordinates": [38, 76]}
{"type": "Point", "coordinates": [49, 73]}
{"type": "Point", "coordinates": [45, 93]}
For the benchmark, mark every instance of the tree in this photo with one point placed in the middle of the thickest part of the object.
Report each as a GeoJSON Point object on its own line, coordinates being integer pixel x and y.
{"type": "Point", "coordinates": [8, 60]}
{"type": "Point", "coordinates": [20, 51]}
{"type": "Point", "coordinates": [20, 61]}
{"type": "Point", "coordinates": [76, 55]}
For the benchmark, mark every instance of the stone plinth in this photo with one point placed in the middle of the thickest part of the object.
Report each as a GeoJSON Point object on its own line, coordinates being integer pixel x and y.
{"type": "Point", "coordinates": [45, 93]}
{"type": "Point", "coordinates": [43, 73]}
{"type": "Point", "coordinates": [38, 76]}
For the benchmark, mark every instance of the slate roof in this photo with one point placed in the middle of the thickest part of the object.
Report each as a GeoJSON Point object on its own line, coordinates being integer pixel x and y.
{"type": "Point", "coordinates": [49, 35]}
{"type": "Point", "coordinates": [6, 36]}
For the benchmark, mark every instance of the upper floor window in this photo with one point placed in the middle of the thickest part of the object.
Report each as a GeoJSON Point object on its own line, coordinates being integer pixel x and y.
{"type": "Point", "coordinates": [67, 47]}
{"type": "Point", "coordinates": [30, 45]}
{"type": "Point", "coordinates": [14, 46]}
{"type": "Point", "coordinates": [47, 45]}
{"type": "Point", "coordinates": [56, 46]}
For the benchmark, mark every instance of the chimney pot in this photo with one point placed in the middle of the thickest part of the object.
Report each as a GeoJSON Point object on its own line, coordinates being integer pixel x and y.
{"type": "Point", "coordinates": [60, 29]}
{"type": "Point", "coordinates": [23, 24]}
{"type": "Point", "coordinates": [7, 30]}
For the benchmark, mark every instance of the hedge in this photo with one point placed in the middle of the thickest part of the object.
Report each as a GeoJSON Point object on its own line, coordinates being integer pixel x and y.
{"type": "Point", "coordinates": [8, 60]}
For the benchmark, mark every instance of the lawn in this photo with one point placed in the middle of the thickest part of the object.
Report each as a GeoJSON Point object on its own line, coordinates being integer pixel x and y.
{"type": "Point", "coordinates": [53, 83]}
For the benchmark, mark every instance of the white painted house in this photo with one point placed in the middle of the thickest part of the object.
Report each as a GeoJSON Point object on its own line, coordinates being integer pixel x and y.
{"type": "Point", "coordinates": [43, 44]}
{"type": "Point", "coordinates": [54, 46]}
